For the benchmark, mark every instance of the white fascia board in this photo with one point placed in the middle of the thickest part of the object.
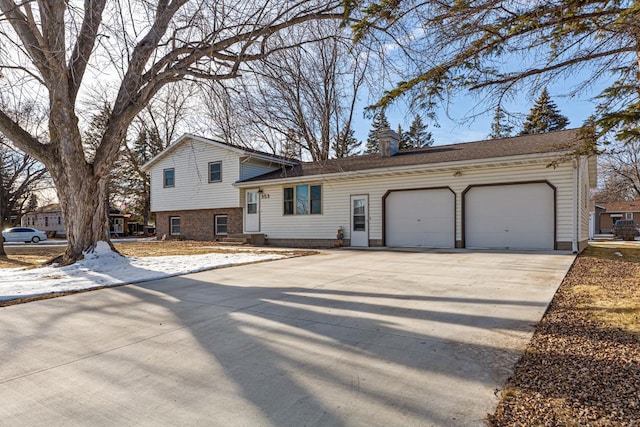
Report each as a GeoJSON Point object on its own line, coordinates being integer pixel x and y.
{"type": "Point", "coordinates": [423, 167]}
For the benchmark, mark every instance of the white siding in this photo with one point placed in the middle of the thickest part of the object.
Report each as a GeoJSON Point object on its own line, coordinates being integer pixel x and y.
{"type": "Point", "coordinates": [584, 199]}
{"type": "Point", "coordinates": [251, 168]}
{"type": "Point", "coordinates": [192, 187]}
{"type": "Point", "coordinates": [335, 203]}
{"type": "Point", "coordinates": [44, 221]}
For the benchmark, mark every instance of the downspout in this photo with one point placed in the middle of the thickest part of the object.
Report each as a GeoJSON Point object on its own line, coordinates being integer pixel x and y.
{"type": "Point", "coordinates": [576, 200]}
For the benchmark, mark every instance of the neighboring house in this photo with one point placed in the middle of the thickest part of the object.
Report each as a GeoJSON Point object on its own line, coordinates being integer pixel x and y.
{"type": "Point", "coordinates": [192, 186]}
{"type": "Point", "coordinates": [609, 213]}
{"type": "Point", "coordinates": [47, 218]}
{"type": "Point", "coordinates": [487, 194]}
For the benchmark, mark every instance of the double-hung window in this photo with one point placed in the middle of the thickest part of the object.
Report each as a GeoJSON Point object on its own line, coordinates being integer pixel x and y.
{"type": "Point", "coordinates": [174, 225]}
{"type": "Point", "coordinates": [169, 177]}
{"type": "Point", "coordinates": [215, 171]}
{"type": "Point", "coordinates": [303, 200]}
{"type": "Point", "coordinates": [220, 225]}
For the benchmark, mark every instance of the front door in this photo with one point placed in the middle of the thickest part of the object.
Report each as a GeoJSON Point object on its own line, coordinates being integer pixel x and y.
{"type": "Point", "coordinates": [360, 220]}
{"type": "Point", "coordinates": [118, 225]}
{"type": "Point", "coordinates": [252, 211]}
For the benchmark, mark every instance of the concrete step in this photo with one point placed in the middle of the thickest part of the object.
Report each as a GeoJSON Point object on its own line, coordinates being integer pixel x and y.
{"type": "Point", "coordinates": [239, 240]}
{"type": "Point", "coordinates": [238, 236]}
{"type": "Point", "coordinates": [223, 243]}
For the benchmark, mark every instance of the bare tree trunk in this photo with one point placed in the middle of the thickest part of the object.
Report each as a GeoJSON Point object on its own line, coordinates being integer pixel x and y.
{"type": "Point", "coordinates": [83, 204]}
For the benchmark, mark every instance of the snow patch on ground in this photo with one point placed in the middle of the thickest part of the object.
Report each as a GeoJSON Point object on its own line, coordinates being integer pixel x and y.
{"type": "Point", "coordinates": [103, 267]}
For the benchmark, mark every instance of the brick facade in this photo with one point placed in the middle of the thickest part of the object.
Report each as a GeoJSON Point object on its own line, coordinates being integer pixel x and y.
{"type": "Point", "coordinates": [198, 224]}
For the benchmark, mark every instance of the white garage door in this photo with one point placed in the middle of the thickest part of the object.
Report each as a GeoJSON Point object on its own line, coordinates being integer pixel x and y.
{"type": "Point", "coordinates": [420, 218]}
{"type": "Point", "coordinates": [510, 216]}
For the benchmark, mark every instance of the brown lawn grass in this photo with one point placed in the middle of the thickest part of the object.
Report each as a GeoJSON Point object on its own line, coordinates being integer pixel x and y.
{"type": "Point", "coordinates": [582, 366]}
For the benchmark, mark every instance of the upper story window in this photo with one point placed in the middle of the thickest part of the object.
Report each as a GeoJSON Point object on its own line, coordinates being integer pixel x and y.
{"type": "Point", "coordinates": [215, 171]}
{"type": "Point", "coordinates": [169, 177]}
{"type": "Point", "coordinates": [303, 200]}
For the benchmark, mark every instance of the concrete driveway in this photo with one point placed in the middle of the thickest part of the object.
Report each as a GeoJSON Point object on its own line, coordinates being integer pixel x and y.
{"type": "Point", "coordinates": [342, 338]}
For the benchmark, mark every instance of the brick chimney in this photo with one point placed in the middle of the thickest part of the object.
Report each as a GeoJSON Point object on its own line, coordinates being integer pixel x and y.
{"type": "Point", "coordinates": [389, 142]}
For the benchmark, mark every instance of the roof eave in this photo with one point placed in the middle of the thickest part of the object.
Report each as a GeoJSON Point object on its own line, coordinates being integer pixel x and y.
{"type": "Point", "coordinates": [442, 166]}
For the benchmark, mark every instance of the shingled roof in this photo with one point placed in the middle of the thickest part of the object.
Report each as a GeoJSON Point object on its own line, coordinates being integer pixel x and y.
{"type": "Point", "coordinates": [612, 207]}
{"type": "Point", "coordinates": [520, 145]}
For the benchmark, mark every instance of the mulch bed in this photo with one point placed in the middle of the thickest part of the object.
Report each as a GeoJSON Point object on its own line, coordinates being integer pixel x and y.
{"type": "Point", "coordinates": [582, 366]}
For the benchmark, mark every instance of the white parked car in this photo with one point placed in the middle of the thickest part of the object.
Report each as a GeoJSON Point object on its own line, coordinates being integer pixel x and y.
{"type": "Point", "coordinates": [23, 234]}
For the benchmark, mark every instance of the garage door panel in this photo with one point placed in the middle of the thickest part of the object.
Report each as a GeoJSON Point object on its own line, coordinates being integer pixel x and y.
{"type": "Point", "coordinates": [510, 216]}
{"type": "Point", "coordinates": [420, 218]}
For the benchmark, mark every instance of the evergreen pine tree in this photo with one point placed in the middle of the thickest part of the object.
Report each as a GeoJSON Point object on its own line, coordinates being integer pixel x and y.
{"type": "Point", "coordinates": [346, 144]}
{"type": "Point", "coordinates": [417, 136]}
{"type": "Point", "coordinates": [402, 141]}
{"type": "Point", "coordinates": [544, 116]}
{"type": "Point", "coordinates": [500, 128]}
{"type": "Point", "coordinates": [379, 122]}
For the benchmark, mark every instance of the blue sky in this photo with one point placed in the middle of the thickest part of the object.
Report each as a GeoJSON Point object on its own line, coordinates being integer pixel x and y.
{"type": "Point", "coordinates": [458, 130]}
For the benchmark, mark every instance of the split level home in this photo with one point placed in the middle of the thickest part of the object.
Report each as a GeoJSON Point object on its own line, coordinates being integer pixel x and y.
{"type": "Point", "coordinates": [499, 194]}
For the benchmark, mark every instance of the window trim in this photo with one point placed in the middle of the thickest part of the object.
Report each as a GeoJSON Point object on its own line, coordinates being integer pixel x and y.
{"type": "Point", "coordinates": [164, 178]}
{"type": "Point", "coordinates": [209, 171]}
{"type": "Point", "coordinates": [171, 232]}
{"type": "Point", "coordinates": [291, 200]}
{"type": "Point", "coordinates": [628, 215]}
{"type": "Point", "coordinates": [294, 201]}
{"type": "Point", "coordinates": [215, 225]}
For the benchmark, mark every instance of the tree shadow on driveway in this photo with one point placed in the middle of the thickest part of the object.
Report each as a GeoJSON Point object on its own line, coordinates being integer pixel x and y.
{"type": "Point", "coordinates": [301, 359]}
{"type": "Point", "coordinates": [190, 350]}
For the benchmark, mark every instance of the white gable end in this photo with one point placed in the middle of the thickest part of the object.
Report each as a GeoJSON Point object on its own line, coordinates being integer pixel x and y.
{"type": "Point", "coordinates": [192, 189]}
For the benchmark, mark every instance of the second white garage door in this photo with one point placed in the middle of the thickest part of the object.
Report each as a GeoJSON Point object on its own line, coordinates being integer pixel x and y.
{"type": "Point", "coordinates": [510, 216]}
{"type": "Point", "coordinates": [420, 218]}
